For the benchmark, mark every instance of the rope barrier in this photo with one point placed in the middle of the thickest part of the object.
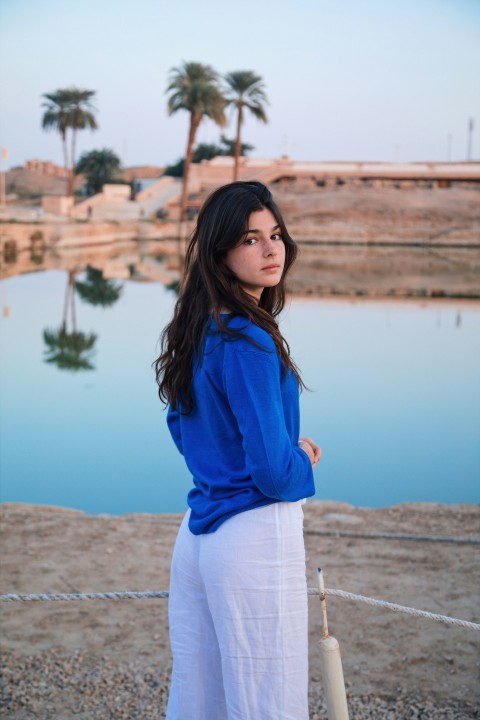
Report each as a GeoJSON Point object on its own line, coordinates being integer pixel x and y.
{"type": "Point", "coordinates": [445, 619]}
{"type": "Point", "coordinates": [395, 536]}
{"type": "Point", "coordinates": [69, 597]}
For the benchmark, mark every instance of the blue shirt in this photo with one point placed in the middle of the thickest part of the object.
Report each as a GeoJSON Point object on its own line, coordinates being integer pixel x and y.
{"type": "Point", "coordinates": [240, 442]}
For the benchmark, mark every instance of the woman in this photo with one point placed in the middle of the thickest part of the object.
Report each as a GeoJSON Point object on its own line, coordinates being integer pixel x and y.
{"type": "Point", "coordinates": [238, 601]}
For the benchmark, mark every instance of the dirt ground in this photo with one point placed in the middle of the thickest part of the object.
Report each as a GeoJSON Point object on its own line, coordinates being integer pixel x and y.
{"type": "Point", "coordinates": [53, 550]}
{"type": "Point", "coordinates": [378, 242]}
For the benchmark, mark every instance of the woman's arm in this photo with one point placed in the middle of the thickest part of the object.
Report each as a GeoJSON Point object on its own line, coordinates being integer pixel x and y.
{"type": "Point", "coordinates": [173, 422]}
{"type": "Point", "coordinates": [280, 469]}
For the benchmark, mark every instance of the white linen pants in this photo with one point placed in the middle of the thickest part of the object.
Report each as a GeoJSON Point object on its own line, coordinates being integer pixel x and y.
{"type": "Point", "coordinates": [238, 619]}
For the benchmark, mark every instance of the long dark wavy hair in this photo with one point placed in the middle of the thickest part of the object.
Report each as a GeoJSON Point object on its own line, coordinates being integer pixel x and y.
{"type": "Point", "coordinates": [209, 286]}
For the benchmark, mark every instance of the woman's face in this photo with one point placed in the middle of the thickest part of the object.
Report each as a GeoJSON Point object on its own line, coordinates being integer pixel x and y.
{"type": "Point", "coordinates": [259, 258]}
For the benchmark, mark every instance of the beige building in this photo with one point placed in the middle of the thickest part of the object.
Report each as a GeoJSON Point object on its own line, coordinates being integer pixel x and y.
{"type": "Point", "coordinates": [285, 172]}
{"type": "Point", "coordinates": [45, 167]}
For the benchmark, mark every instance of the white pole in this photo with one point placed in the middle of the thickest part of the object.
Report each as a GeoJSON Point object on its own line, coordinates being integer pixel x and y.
{"type": "Point", "coordinates": [3, 194]}
{"type": "Point", "coordinates": [331, 665]}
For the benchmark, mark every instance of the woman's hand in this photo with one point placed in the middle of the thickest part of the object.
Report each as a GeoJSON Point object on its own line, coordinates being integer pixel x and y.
{"type": "Point", "coordinates": [310, 447]}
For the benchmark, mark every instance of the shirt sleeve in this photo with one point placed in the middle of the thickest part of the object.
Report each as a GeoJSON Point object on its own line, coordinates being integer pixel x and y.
{"type": "Point", "coordinates": [278, 467]}
{"type": "Point", "coordinates": [173, 422]}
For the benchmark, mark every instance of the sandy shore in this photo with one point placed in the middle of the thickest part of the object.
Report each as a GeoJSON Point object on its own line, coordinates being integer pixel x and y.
{"type": "Point", "coordinates": [111, 660]}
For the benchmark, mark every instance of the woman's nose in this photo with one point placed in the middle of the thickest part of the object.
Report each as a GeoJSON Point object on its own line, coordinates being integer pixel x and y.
{"type": "Point", "coordinates": [269, 247]}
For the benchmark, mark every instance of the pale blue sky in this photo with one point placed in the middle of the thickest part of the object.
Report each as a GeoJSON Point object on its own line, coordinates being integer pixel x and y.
{"type": "Point", "coordinates": [346, 79]}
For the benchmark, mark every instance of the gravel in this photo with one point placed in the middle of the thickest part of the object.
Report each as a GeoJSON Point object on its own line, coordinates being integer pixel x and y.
{"type": "Point", "coordinates": [54, 685]}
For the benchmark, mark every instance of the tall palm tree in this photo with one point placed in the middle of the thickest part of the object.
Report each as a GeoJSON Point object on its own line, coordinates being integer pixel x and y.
{"type": "Point", "coordinates": [55, 118]}
{"type": "Point", "coordinates": [245, 91]}
{"type": "Point", "coordinates": [195, 88]}
{"type": "Point", "coordinates": [69, 109]}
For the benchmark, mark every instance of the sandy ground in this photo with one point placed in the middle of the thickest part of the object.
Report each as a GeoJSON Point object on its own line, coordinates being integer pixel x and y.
{"type": "Point", "coordinates": [386, 654]}
{"type": "Point", "coordinates": [403, 242]}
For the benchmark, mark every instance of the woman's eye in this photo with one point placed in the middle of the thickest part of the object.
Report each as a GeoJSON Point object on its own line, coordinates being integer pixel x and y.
{"type": "Point", "coordinates": [277, 236]}
{"type": "Point", "coordinates": [250, 241]}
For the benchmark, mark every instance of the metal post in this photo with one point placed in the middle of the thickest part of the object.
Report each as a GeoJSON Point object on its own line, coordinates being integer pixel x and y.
{"type": "Point", "coordinates": [3, 194]}
{"type": "Point", "coordinates": [471, 124]}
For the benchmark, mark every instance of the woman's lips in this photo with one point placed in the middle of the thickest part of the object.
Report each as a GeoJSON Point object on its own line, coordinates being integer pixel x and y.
{"type": "Point", "coordinates": [271, 267]}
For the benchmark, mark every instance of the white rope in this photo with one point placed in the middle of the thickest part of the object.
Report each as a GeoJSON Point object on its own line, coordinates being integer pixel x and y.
{"type": "Point", "coordinates": [446, 619]}
{"type": "Point", "coordinates": [69, 597]}
{"type": "Point", "coordinates": [395, 536]}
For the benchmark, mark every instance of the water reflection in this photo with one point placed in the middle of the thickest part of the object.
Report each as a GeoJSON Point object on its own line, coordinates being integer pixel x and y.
{"type": "Point", "coordinates": [37, 247]}
{"type": "Point", "coordinates": [395, 388]}
{"type": "Point", "coordinates": [71, 349]}
{"type": "Point", "coordinates": [97, 290]}
{"type": "Point", "coordinates": [68, 347]}
{"type": "Point", "coordinates": [139, 260]}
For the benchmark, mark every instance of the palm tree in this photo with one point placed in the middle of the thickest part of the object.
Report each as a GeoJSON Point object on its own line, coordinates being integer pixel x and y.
{"type": "Point", "coordinates": [229, 146]}
{"type": "Point", "coordinates": [195, 88]}
{"type": "Point", "coordinates": [69, 109]}
{"type": "Point", "coordinates": [80, 116]}
{"type": "Point", "coordinates": [55, 118]}
{"type": "Point", "coordinates": [245, 90]}
{"type": "Point", "coordinates": [100, 167]}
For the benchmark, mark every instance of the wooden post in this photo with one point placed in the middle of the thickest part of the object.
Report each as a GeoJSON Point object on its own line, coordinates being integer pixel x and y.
{"type": "Point", "coordinates": [331, 665]}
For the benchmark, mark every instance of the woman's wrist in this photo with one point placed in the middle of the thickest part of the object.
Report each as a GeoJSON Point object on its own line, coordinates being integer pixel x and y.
{"type": "Point", "coordinates": [305, 446]}
{"type": "Point", "coordinates": [311, 449]}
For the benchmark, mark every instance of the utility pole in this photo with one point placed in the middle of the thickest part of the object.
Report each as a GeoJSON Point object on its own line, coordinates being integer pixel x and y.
{"type": "Point", "coordinates": [3, 194]}
{"type": "Point", "coordinates": [471, 124]}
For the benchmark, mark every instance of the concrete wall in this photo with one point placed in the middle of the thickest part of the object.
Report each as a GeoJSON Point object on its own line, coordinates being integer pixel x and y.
{"type": "Point", "coordinates": [57, 204]}
{"type": "Point", "coordinates": [218, 171]}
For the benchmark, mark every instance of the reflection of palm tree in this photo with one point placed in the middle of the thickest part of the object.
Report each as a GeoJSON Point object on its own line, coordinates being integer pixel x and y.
{"type": "Point", "coordinates": [96, 290]}
{"type": "Point", "coordinates": [69, 350]}
{"type": "Point", "coordinates": [174, 286]}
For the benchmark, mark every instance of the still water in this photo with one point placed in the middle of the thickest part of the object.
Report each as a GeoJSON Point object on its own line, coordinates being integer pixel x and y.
{"type": "Point", "coordinates": [394, 400]}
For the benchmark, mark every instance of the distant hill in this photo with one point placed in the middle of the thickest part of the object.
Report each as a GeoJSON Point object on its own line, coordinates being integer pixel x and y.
{"type": "Point", "coordinates": [28, 184]}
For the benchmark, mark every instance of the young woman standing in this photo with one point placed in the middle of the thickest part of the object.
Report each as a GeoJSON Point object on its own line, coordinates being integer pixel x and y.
{"type": "Point", "coordinates": [238, 596]}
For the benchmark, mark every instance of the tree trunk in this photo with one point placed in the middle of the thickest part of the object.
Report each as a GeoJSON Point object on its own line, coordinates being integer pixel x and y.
{"type": "Point", "coordinates": [72, 296]}
{"type": "Point", "coordinates": [66, 303]}
{"type": "Point", "coordinates": [65, 159]}
{"type": "Point", "coordinates": [194, 123]}
{"type": "Point", "coordinates": [238, 146]}
{"type": "Point", "coordinates": [71, 175]}
{"type": "Point", "coordinates": [70, 303]}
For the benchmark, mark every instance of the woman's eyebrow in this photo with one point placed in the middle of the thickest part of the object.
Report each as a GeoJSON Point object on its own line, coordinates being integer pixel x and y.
{"type": "Point", "coordinates": [254, 230]}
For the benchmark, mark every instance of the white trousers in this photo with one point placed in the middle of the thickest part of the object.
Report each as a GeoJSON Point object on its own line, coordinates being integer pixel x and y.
{"type": "Point", "coordinates": [238, 619]}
